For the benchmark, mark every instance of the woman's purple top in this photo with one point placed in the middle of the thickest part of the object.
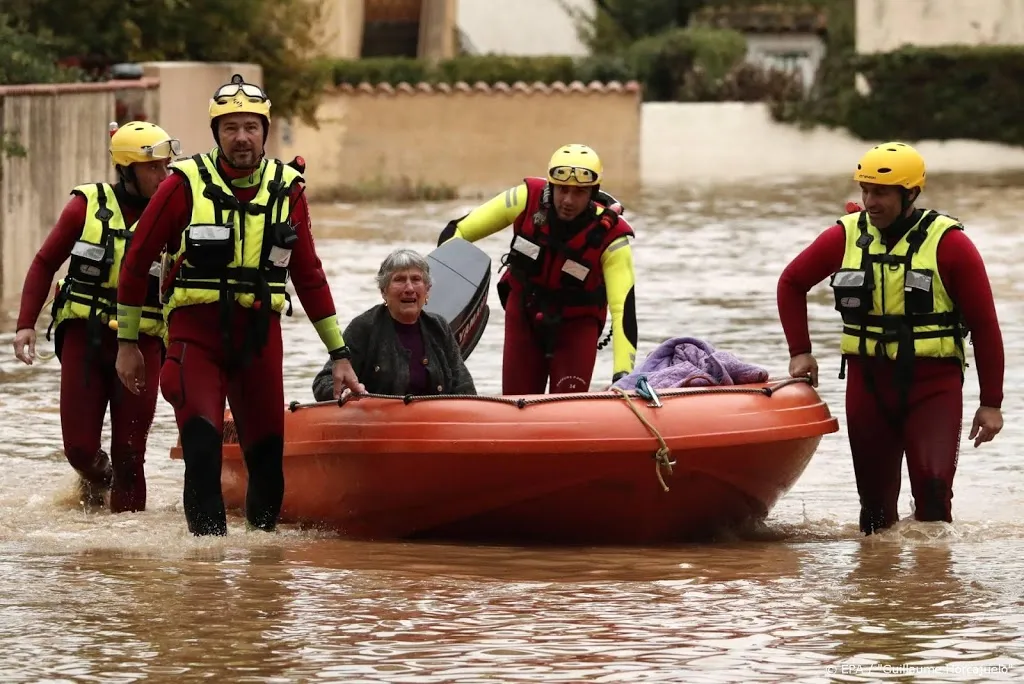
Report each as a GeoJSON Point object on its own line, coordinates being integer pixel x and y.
{"type": "Point", "coordinates": [411, 337]}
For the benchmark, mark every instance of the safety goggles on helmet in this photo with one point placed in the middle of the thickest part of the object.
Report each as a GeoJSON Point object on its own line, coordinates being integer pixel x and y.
{"type": "Point", "coordinates": [163, 150]}
{"type": "Point", "coordinates": [562, 174]}
{"type": "Point", "coordinates": [226, 92]}
{"type": "Point", "coordinates": [131, 154]}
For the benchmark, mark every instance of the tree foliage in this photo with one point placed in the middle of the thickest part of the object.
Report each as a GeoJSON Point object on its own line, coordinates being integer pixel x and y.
{"type": "Point", "coordinates": [621, 29]}
{"type": "Point", "coordinates": [617, 24]}
{"type": "Point", "coordinates": [28, 58]}
{"type": "Point", "coordinates": [282, 36]}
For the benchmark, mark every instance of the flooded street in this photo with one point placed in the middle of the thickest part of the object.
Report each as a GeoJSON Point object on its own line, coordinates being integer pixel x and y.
{"type": "Point", "coordinates": [95, 597]}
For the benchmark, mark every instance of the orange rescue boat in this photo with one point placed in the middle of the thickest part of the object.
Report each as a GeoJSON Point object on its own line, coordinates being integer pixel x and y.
{"type": "Point", "coordinates": [594, 468]}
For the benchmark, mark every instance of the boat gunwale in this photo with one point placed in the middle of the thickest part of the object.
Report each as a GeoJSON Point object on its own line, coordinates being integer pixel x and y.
{"type": "Point", "coordinates": [766, 389]}
{"type": "Point", "coordinates": [489, 447]}
{"type": "Point", "coordinates": [824, 424]}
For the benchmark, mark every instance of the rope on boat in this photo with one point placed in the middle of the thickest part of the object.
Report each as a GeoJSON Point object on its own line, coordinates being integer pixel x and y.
{"type": "Point", "coordinates": [662, 457]}
{"type": "Point", "coordinates": [523, 402]}
{"type": "Point", "coordinates": [46, 357]}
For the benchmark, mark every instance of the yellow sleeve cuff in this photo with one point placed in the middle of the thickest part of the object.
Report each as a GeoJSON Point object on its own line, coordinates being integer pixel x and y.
{"type": "Point", "coordinates": [128, 320]}
{"type": "Point", "coordinates": [330, 333]}
{"type": "Point", "coordinates": [496, 214]}
{"type": "Point", "coordinates": [619, 280]}
{"type": "Point", "coordinates": [623, 352]}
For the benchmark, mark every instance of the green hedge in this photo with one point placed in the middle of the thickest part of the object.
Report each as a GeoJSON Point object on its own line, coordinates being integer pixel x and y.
{"type": "Point", "coordinates": [488, 68]}
{"type": "Point", "coordinates": [679, 64]}
{"type": "Point", "coordinates": [668, 62]}
{"type": "Point", "coordinates": [940, 94]}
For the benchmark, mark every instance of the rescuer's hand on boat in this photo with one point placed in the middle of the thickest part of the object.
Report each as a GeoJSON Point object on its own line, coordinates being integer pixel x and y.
{"type": "Point", "coordinates": [804, 366]}
{"type": "Point", "coordinates": [988, 422]}
{"type": "Point", "coordinates": [345, 377]}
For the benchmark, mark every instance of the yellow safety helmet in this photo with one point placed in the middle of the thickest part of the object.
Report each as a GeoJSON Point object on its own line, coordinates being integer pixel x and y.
{"type": "Point", "coordinates": [237, 97]}
{"type": "Point", "coordinates": [140, 142]}
{"type": "Point", "coordinates": [575, 165]}
{"type": "Point", "coordinates": [891, 163]}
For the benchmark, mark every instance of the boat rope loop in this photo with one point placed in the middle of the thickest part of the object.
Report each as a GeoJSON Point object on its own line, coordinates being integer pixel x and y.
{"type": "Point", "coordinates": [46, 357]}
{"type": "Point", "coordinates": [523, 402]}
{"type": "Point", "coordinates": [662, 455]}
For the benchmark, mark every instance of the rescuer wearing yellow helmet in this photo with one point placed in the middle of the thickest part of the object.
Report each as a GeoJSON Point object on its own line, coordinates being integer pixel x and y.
{"type": "Point", "coordinates": [236, 227]}
{"type": "Point", "coordinates": [569, 263]}
{"type": "Point", "coordinates": [94, 231]}
{"type": "Point", "coordinates": [910, 286]}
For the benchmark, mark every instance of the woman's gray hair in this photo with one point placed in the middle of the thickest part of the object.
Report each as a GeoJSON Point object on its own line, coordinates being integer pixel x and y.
{"type": "Point", "coordinates": [400, 260]}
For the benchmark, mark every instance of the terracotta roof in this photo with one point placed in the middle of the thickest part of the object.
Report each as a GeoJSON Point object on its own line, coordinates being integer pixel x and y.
{"type": "Point", "coordinates": [764, 18]}
{"type": "Point", "coordinates": [79, 87]}
{"type": "Point", "coordinates": [593, 87]}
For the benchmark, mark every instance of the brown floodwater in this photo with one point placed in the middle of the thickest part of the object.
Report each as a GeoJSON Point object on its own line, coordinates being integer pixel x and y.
{"type": "Point", "coordinates": [88, 596]}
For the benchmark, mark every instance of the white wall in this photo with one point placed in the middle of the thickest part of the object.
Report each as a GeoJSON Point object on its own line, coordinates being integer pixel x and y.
{"type": "Point", "coordinates": [734, 142]}
{"type": "Point", "coordinates": [886, 25]}
{"type": "Point", "coordinates": [521, 27]}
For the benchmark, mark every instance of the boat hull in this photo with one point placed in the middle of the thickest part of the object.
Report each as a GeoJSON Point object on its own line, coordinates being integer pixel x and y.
{"type": "Point", "coordinates": [576, 469]}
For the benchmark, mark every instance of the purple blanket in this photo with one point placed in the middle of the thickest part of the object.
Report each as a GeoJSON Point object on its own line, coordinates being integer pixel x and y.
{"type": "Point", "coordinates": [689, 362]}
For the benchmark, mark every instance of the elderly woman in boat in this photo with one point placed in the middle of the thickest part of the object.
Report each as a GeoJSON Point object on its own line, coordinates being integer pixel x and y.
{"type": "Point", "coordinates": [397, 348]}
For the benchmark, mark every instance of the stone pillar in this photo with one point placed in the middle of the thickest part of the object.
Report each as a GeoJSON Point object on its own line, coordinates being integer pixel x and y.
{"type": "Point", "coordinates": [437, 30]}
{"type": "Point", "coordinates": [343, 28]}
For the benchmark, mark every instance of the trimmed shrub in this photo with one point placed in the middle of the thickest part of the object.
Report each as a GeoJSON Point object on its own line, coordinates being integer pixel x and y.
{"type": "Point", "coordinates": [940, 94]}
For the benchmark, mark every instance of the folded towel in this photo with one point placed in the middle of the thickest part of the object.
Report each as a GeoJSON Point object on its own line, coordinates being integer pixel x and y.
{"type": "Point", "coordinates": [690, 362]}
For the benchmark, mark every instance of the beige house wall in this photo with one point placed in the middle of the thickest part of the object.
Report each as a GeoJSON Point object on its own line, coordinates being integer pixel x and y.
{"type": "Point", "coordinates": [63, 129]}
{"type": "Point", "coordinates": [343, 28]}
{"type": "Point", "coordinates": [479, 139]}
{"type": "Point", "coordinates": [437, 29]}
{"type": "Point", "coordinates": [886, 25]}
